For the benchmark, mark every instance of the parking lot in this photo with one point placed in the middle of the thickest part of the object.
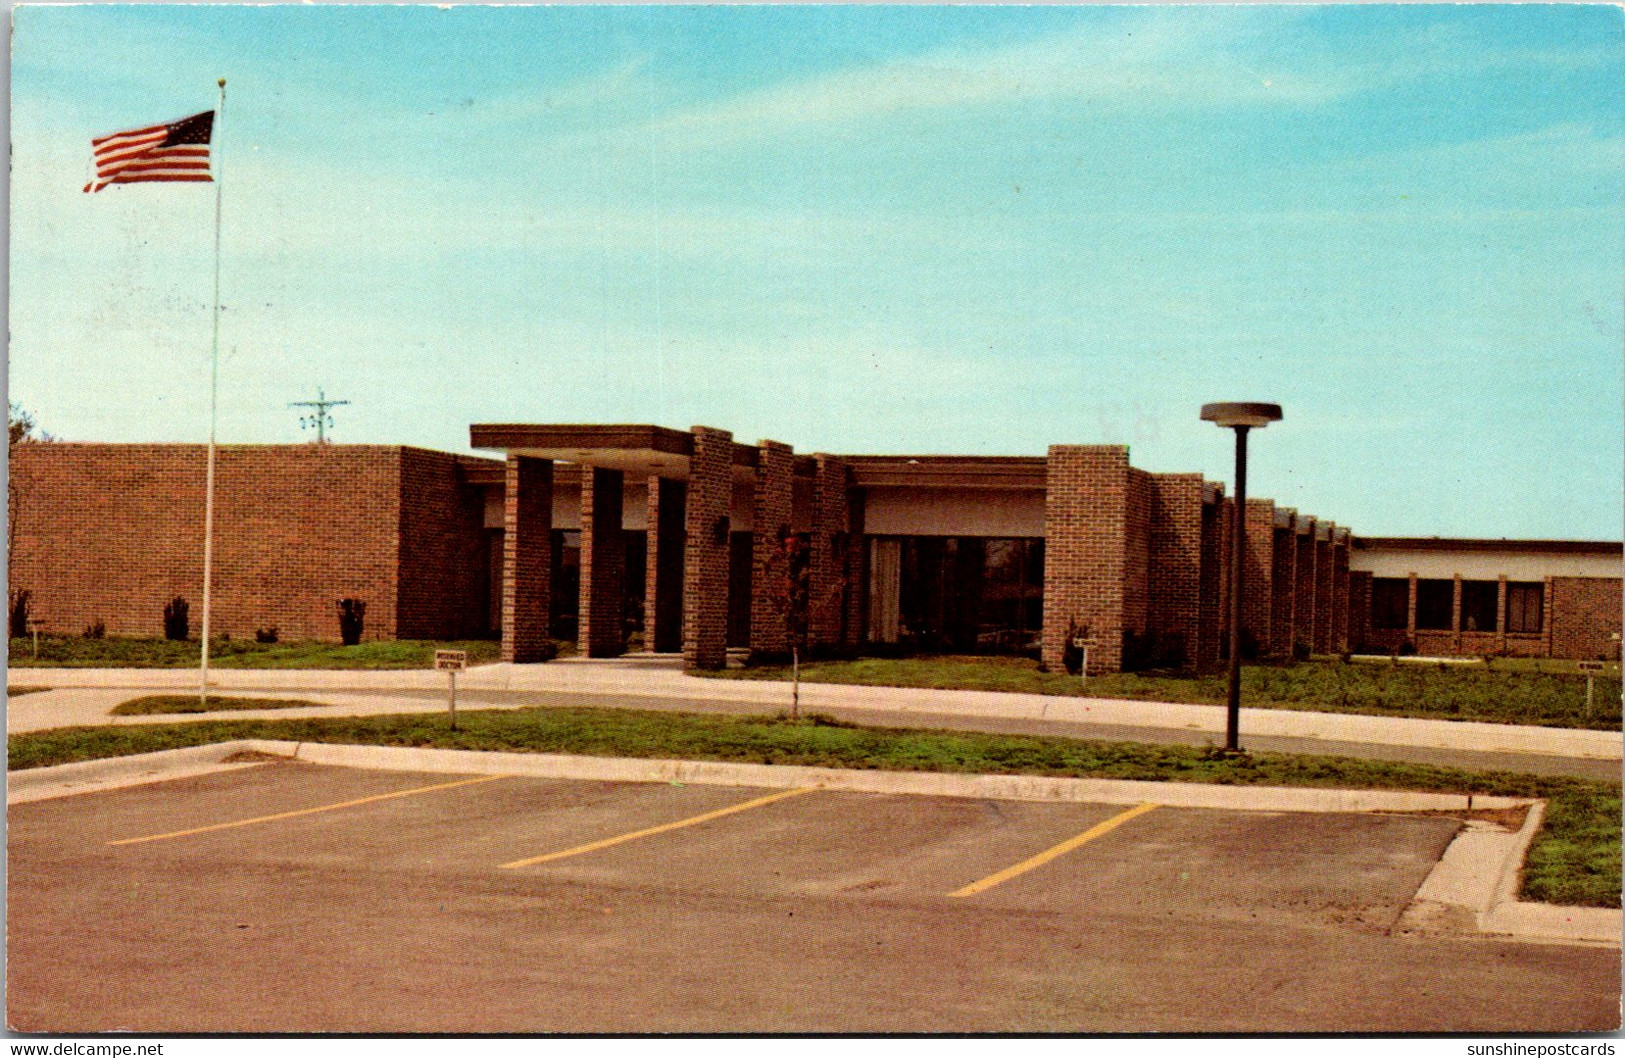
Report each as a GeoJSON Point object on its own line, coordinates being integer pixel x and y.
{"type": "Point", "coordinates": [294, 897]}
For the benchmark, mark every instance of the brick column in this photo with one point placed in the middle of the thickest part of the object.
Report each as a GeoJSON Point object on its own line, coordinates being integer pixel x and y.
{"type": "Point", "coordinates": [705, 554]}
{"type": "Point", "coordinates": [1501, 613]}
{"type": "Point", "coordinates": [1359, 610]}
{"type": "Point", "coordinates": [1303, 607]}
{"type": "Point", "coordinates": [1455, 615]}
{"type": "Point", "coordinates": [1213, 580]}
{"type": "Point", "coordinates": [602, 624]}
{"type": "Point", "coordinates": [527, 559]}
{"type": "Point", "coordinates": [857, 568]}
{"type": "Point", "coordinates": [1323, 588]}
{"type": "Point", "coordinates": [663, 567]}
{"type": "Point", "coordinates": [1176, 563]}
{"type": "Point", "coordinates": [1258, 592]}
{"type": "Point", "coordinates": [830, 532]}
{"type": "Point", "coordinates": [1085, 541]}
{"type": "Point", "coordinates": [1546, 618]}
{"type": "Point", "coordinates": [1410, 609]}
{"type": "Point", "coordinates": [1285, 584]}
{"type": "Point", "coordinates": [1340, 593]}
{"type": "Point", "coordinates": [775, 480]}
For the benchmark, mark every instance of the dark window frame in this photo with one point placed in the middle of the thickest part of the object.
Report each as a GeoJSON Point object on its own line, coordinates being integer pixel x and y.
{"type": "Point", "coordinates": [1390, 603]}
{"type": "Point", "coordinates": [1480, 605]}
{"type": "Point", "coordinates": [1435, 603]}
{"type": "Point", "coordinates": [1522, 597]}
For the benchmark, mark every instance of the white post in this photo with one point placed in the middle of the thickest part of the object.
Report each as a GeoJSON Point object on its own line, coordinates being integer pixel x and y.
{"type": "Point", "coordinates": [452, 703]}
{"type": "Point", "coordinates": [214, 386]}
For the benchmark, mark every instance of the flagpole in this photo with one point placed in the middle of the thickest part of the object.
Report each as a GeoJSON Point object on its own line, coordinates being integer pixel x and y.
{"type": "Point", "coordinates": [214, 391]}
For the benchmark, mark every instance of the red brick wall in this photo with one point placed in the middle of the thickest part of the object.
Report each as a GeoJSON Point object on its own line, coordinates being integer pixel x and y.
{"type": "Point", "coordinates": [1258, 588]}
{"type": "Point", "coordinates": [1285, 593]}
{"type": "Point", "coordinates": [1137, 552]}
{"type": "Point", "coordinates": [857, 572]}
{"type": "Point", "coordinates": [1215, 561]}
{"type": "Point", "coordinates": [1584, 613]}
{"type": "Point", "coordinates": [663, 569]}
{"type": "Point", "coordinates": [831, 528]}
{"type": "Point", "coordinates": [707, 541]}
{"type": "Point", "coordinates": [775, 474]}
{"type": "Point", "coordinates": [1085, 545]}
{"type": "Point", "coordinates": [527, 558]}
{"type": "Point", "coordinates": [445, 586]}
{"type": "Point", "coordinates": [1303, 607]}
{"type": "Point", "coordinates": [1340, 596]}
{"type": "Point", "coordinates": [1176, 561]}
{"type": "Point", "coordinates": [111, 533]}
{"type": "Point", "coordinates": [601, 627]}
{"type": "Point", "coordinates": [1359, 611]}
{"type": "Point", "coordinates": [1324, 602]}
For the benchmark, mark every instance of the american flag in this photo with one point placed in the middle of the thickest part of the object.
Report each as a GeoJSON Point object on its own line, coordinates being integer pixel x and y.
{"type": "Point", "coordinates": [176, 151]}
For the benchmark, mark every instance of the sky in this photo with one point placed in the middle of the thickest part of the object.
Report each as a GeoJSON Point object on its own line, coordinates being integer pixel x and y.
{"type": "Point", "coordinates": [966, 230]}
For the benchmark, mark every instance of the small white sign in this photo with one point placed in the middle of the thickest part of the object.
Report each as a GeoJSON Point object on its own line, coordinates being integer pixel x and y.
{"type": "Point", "coordinates": [1592, 666]}
{"type": "Point", "coordinates": [451, 660]}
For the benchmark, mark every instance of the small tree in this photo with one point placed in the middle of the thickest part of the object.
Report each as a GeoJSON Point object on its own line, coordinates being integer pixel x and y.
{"type": "Point", "coordinates": [793, 601]}
{"type": "Point", "coordinates": [22, 430]}
{"type": "Point", "coordinates": [352, 616]}
{"type": "Point", "coordinates": [177, 623]}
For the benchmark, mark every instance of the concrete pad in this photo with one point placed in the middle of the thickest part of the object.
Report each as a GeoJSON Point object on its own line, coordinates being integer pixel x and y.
{"type": "Point", "coordinates": [1529, 921]}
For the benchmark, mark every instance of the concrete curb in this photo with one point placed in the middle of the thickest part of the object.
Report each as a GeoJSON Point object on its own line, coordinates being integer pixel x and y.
{"type": "Point", "coordinates": [1474, 888]}
{"type": "Point", "coordinates": [64, 780]}
{"type": "Point", "coordinates": [155, 767]}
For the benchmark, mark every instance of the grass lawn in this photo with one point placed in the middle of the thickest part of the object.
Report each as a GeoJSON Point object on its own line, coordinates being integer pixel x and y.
{"type": "Point", "coordinates": [117, 652]}
{"type": "Point", "coordinates": [191, 703]}
{"type": "Point", "coordinates": [1451, 692]}
{"type": "Point", "coordinates": [1575, 859]}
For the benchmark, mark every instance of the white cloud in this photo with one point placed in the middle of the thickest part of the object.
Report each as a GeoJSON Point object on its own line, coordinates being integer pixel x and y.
{"type": "Point", "coordinates": [1188, 59]}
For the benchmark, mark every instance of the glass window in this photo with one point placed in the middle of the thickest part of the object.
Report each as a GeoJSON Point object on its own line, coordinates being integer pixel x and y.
{"type": "Point", "coordinates": [1525, 602]}
{"type": "Point", "coordinates": [970, 595]}
{"type": "Point", "coordinates": [1434, 600]}
{"type": "Point", "coordinates": [1390, 602]}
{"type": "Point", "coordinates": [1479, 599]}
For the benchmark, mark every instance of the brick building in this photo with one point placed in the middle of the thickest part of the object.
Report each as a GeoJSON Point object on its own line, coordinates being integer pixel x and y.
{"type": "Point", "coordinates": [591, 532]}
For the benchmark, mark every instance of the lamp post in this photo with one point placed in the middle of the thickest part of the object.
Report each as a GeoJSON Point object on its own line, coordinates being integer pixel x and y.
{"type": "Point", "coordinates": [1240, 418]}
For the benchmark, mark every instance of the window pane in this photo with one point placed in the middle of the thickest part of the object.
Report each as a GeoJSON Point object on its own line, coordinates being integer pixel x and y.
{"type": "Point", "coordinates": [1390, 602]}
{"type": "Point", "coordinates": [1433, 604]}
{"type": "Point", "coordinates": [1524, 605]}
{"type": "Point", "coordinates": [1478, 603]}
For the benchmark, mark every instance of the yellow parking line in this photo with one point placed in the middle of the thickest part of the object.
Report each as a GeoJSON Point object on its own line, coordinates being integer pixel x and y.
{"type": "Point", "coordinates": [307, 811]}
{"type": "Point", "coordinates": [1049, 854]}
{"type": "Point", "coordinates": [661, 829]}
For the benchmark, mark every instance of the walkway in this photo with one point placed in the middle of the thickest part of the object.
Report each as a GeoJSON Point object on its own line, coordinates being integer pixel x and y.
{"type": "Point", "coordinates": [85, 696]}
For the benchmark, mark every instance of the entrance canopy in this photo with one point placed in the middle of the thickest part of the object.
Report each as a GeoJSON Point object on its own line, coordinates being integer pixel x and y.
{"type": "Point", "coordinates": [633, 449]}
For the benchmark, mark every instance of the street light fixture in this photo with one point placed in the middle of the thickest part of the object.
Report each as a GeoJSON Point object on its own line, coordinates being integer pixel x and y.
{"type": "Point", "coordinates": [1240, 418]}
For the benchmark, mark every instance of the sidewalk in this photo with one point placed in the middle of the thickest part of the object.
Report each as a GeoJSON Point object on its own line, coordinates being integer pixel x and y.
{"type": "Point", "coordinates": [81, 696]}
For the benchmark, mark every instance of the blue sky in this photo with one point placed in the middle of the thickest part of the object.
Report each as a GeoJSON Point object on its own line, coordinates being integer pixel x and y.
{"type": "Point", "coordinates": [862, 229]}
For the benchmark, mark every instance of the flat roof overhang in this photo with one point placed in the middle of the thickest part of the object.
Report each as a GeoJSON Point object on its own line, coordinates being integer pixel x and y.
{"type": "Point", "coordinates": [952, 472]}
{"type": "Point", "coordinates": [637, 449]}
{"type": "Point", "coordinates": [1440, 543]}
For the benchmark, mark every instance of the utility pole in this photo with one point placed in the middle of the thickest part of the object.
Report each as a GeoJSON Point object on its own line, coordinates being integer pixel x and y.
{"type": "Point", "coordinates": [318, 418]}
